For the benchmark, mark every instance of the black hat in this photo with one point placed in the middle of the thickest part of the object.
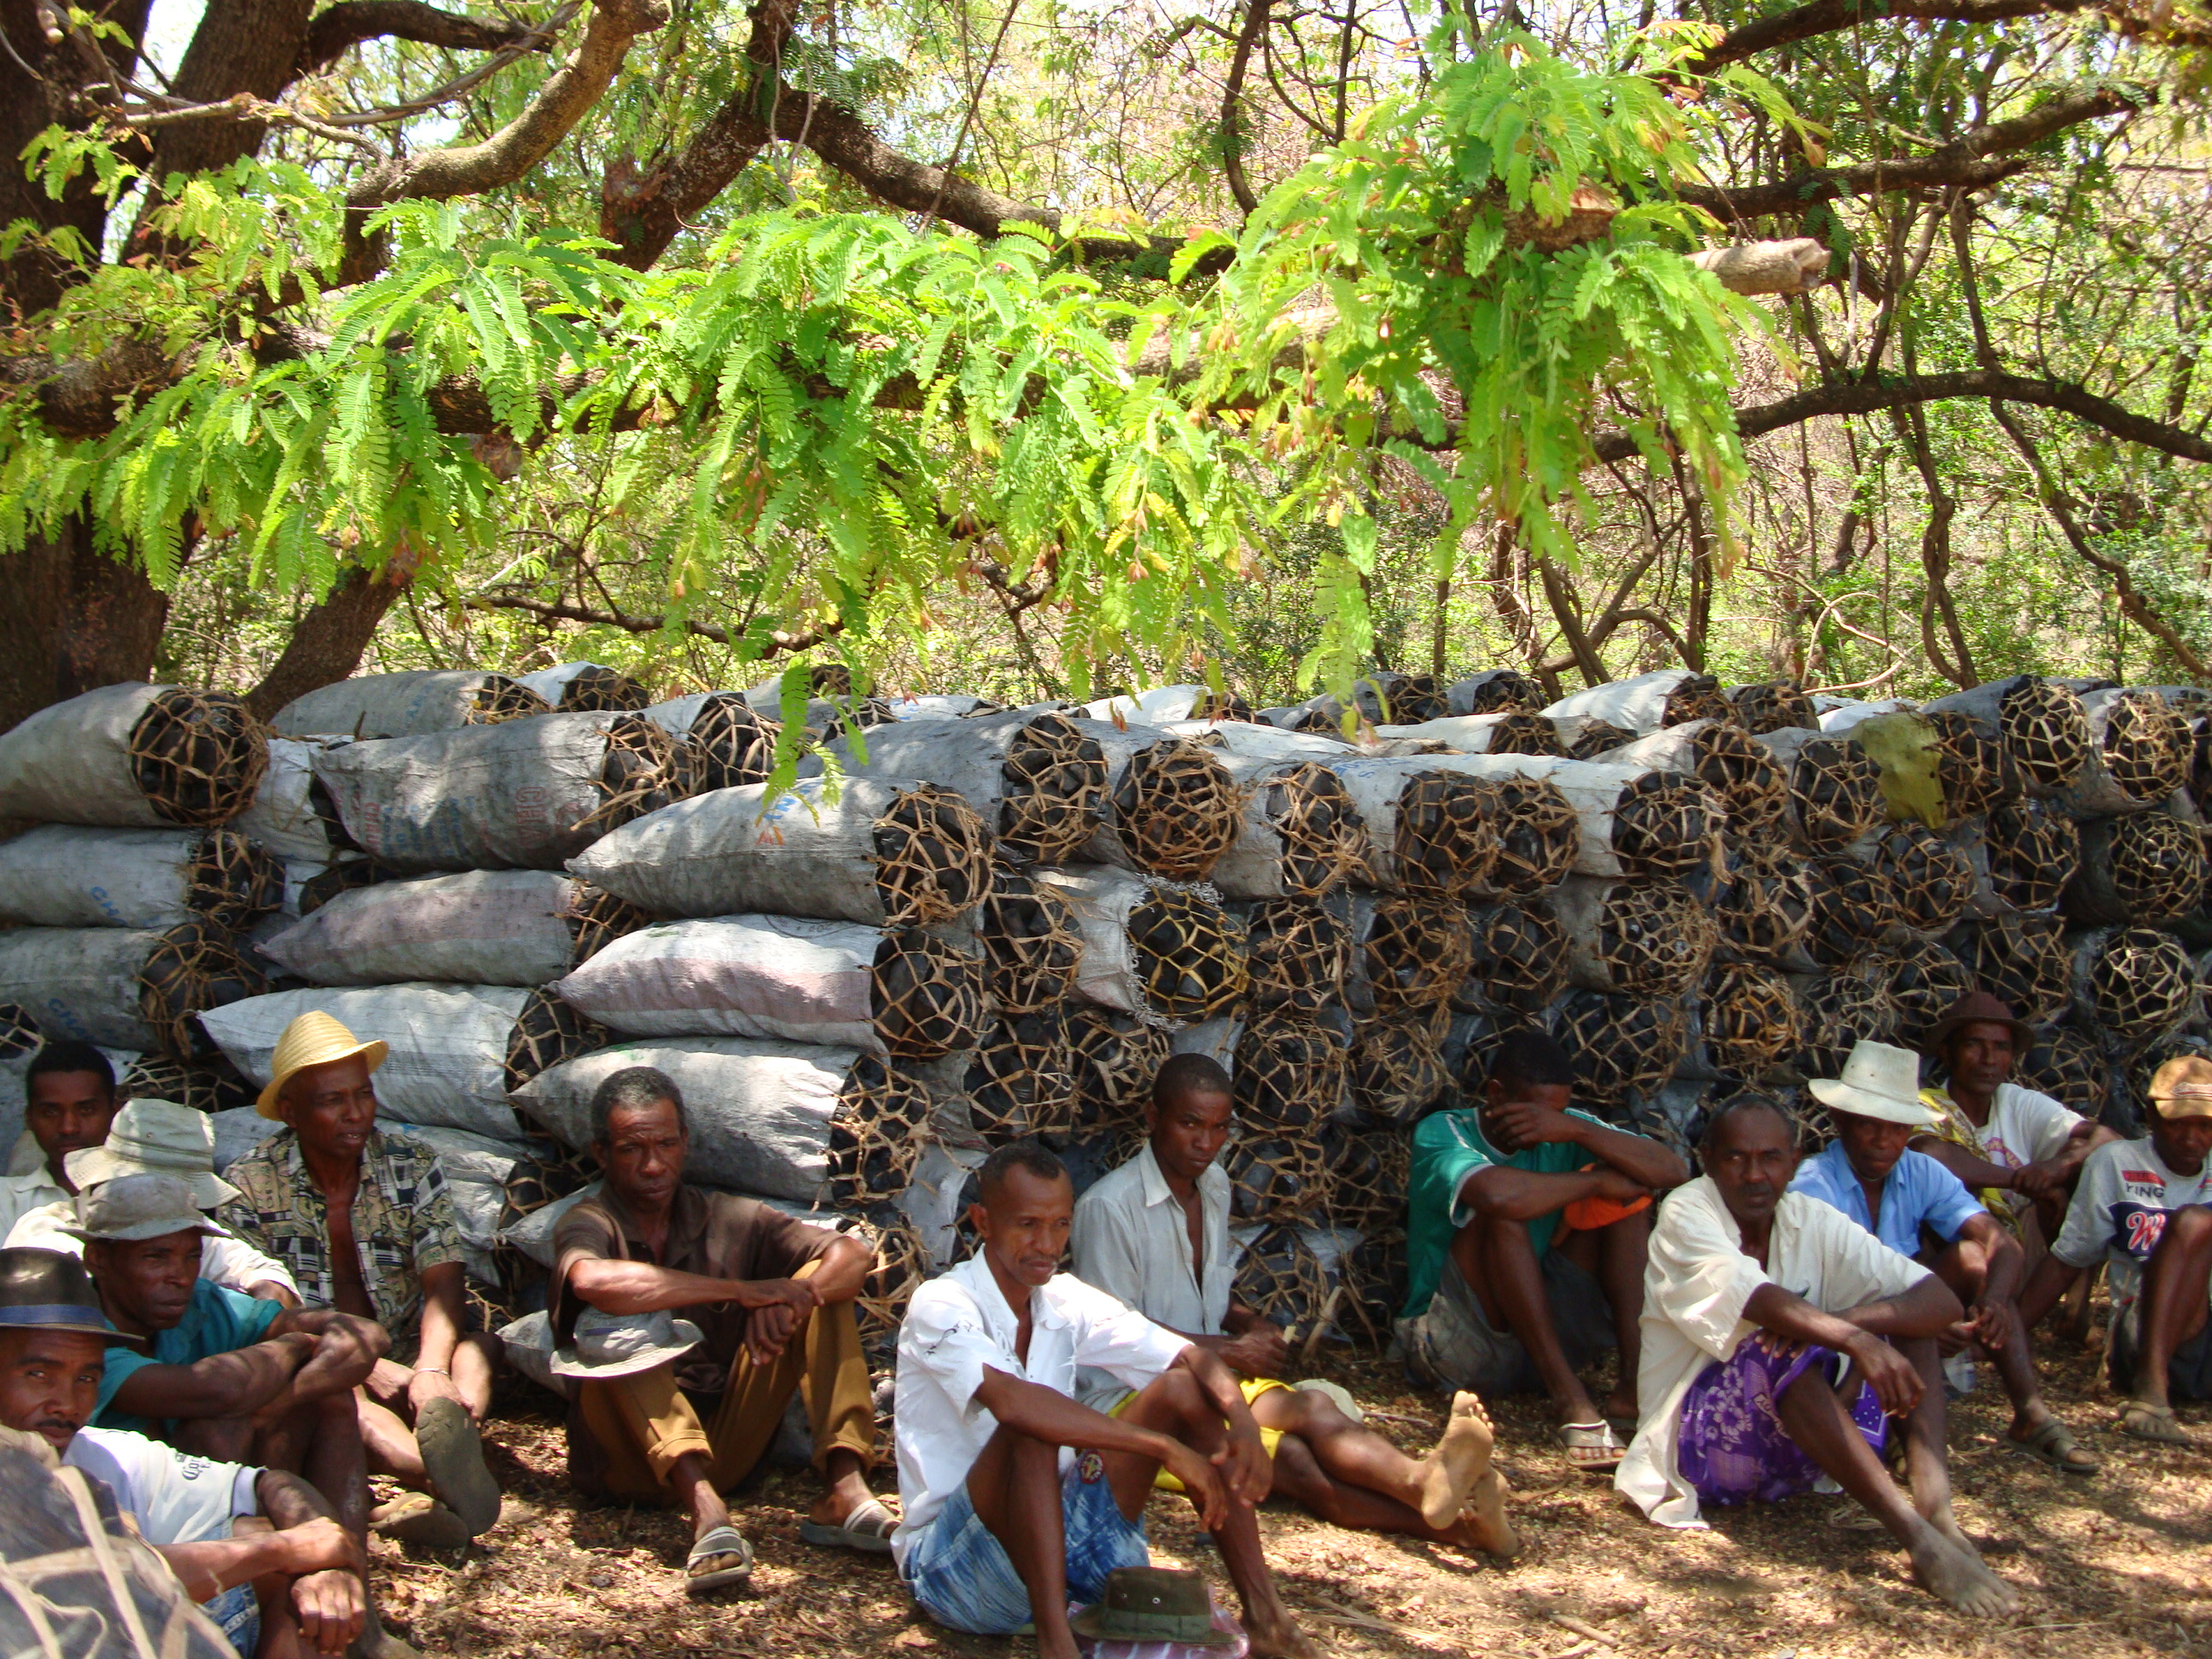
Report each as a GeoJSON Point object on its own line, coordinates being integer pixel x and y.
{"type": "Point", "coordinates": [45, 1289]}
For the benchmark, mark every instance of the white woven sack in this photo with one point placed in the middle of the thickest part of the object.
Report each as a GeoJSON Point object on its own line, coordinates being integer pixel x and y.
{"type": "Point", "coordinates": [79, 982]}
{"type": "Point", "coordinates": [449, 1060]}
{"type": "Point", "coordinates": [1838, 715]}
{"type": "Point", "coordinates": [480, 927]}
{"type": "Point", "coordinates": [403, 705]}
{"type": "Point", "coordinates": [1469, 734]}
{"type": "Point", "coordinates": [760, 1111]}
{"type": "Point", "coordinates": [552, 684]}
{"type": "Point", "coordinates": [1121, 745]}
{"type": "Point", "coordinates": [1462, 694]}
{"type": "Point", "coordinates": [1261, 741]}
{"type": "Point", "coordinates": [676, 715]}
{"type": "Point", "coordinates": [1102, 899]}
{"type": "Point", "coordinates": [282, 817]}
{"type": "Point", "coordinates": [238, 1132]}
{"type": "Point", "coordinates": [1214, 1038]}
{"type": "Point", "coordinates": [794, 979]}
{"type": "Point", "coordinates": [70, 762]}
{"type": "Point", "coordinates": [1160, 704]}
{"type": "Point", "coordinates": [518, 795]}
{"type": "Point", "coordinates": [1637, 705]}
{"type": "Point", "coordinates": [1252, 868]}
{"type": "Point", "coordinates": [938, 707]}
{"type": "Point", "coordinates": [475, 1169]}
{"type": "Point", "coordinates": [60, 875]}
{"type": "Point", "coordinates": [533, 1234]}
{"type": "Point", "coordinates": [966, 756]}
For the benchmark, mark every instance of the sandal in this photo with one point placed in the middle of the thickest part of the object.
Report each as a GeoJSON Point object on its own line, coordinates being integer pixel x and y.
{"type": "Point", "coordinates": [724, 1539]}
{"type": "Point", "coordinates": [2054, 1444]}
{"type": "Point", "coordinates": [452, 1455]}
{"type": "Point", "coordinates": [2146, 1421]}
{"type": "Point", "coordinates": [868, 1528]}
{"type": "Point", "coordinates": [1591, 1447]}
{"type": "Point", "coordinates": [417, 1518]}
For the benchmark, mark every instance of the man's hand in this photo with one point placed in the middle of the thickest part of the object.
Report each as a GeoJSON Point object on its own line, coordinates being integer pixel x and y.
{"type": "Point", "coordinates": [1896, 1384]}
{"type": "Point", "coordinates": [423, 1386]}
{"type": "Point", "coordinates": [777, 1308]}
{"type": "Point", "coordinates": [1523, 1122]}
{"type": "Point", "coordinates": [1208, 1496]}
{"type": "Point", "coordinates": [2040, 1181]}
{"type": "Point", "coordinates": [1617, 1187]}
{"type": "Point", "coordinates": [1992, 1323]}
{"type": "Point", "coordinates": [321, 1545]}
{"type": "Point", "coordinates": [1245, 1467]}
{"type": "Point", "coordinates": [331, 1607]}
{"type": "Point", "coordinates": [1261, 1351]}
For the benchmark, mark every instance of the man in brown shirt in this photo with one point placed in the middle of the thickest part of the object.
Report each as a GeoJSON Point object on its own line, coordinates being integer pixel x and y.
{"type": "Point", "coordinates": [773, 1300]}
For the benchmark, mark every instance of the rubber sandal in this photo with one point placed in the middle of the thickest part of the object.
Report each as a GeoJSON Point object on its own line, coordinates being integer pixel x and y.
{"type": "Point", "coordinates": [2145, 1421]}
{"type": "Point", "coordinates": [452, 1457]}
{"type": "Point", "coordinates": [719, 1540]}
{"type": "Point", "coordinates": [419, 1519]}
{"type": "Point", "coordinates": [2054, 1444]}
{"type": "Point", "coordinates": [867, 1528]}
{"type": "Point", "coordinates": [1599, 1448]}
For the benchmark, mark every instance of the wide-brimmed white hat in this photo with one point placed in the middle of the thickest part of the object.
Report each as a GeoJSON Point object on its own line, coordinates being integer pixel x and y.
{"type": "Point", "coordinates": [617, 1345]}
{"type": "Point", "coordinates": [139, 1207]}
{"type": "Point", "coordinates": [1878, 1081]}
{"type": "Point", "coordinates": [155, 1137]}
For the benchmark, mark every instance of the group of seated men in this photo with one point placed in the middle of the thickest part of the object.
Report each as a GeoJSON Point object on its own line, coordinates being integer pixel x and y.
{"type": "Point", "coordinates": [1777, 1322]}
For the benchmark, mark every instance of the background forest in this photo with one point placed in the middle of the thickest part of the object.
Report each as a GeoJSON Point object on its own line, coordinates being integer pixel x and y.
{"type": "Point", "coordinates": [1042, 346]}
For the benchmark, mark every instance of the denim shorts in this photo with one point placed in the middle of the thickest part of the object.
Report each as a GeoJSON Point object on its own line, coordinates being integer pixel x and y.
{"type": "Point", "coordinates": [959, 1571]}
{"type": "Point", "coordinates": [237, 1614]}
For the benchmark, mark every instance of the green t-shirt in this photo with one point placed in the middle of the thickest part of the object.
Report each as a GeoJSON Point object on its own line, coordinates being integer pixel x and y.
{"type": "Point", "coordinates": [217, 1322]}
{"type": "Point", "coordinates": [1448, 1147]}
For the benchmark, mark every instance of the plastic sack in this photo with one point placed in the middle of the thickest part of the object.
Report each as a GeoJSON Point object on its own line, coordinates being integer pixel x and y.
{"type": "Point", "coordinates": [410, 704]}
{"type": "Point", "coordinates": [124, 988]}
{"type": "Point", "coordinates": [65, 875]}
{"type": "Point", "coordinates": [134, 756]}
{"type": "Point", "coordinates": [480, 927]}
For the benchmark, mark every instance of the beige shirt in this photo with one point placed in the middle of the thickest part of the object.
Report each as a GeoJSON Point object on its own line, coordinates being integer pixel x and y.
{"type": "Point", "coordinates": [1132, 1241]}
{"type": "Point", "coordinates": [1695, 1286]}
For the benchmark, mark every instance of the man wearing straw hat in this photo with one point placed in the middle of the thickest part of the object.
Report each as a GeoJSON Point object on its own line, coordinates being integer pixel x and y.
{"type": "Point", "coordinates": [361, 1217]}
{"type": "Point", "coordinates": [1920, 1209]}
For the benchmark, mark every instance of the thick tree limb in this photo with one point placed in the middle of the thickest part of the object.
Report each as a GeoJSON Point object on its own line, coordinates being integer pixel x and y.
{"type": "Point", "coordinates": [337, 29]}
{"type": "Point", "coordinates": [326, 643]}
{"type": "Point", "coordinates": [1828, 16]}
{"type": "Point", "coordinates": [1233, 91]}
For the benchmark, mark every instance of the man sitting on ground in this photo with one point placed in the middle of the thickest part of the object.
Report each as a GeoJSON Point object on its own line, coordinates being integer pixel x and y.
{"type": "Point", "coordinates": [305, 1570]}
{"type": "Point", "coordinates": [2144, 1208]}
{"type": "Point", "coordinates": [1016, 1496]}
{"type": "Point", "coordinates": [1154, 1234]}
{"type": "Point", "coordinates": [361, 1217]}
{"type": "Point", "coordinates": [69, 1101]}
{"type": "Point", "coordinates": [1907, 1199]}
{"type": "Point", "coordinates": [1525, 1243]}
{"type": "Point", "coordinates": [773, 1298]}
{"type": "Point", "coordinates": [1753, 1389]}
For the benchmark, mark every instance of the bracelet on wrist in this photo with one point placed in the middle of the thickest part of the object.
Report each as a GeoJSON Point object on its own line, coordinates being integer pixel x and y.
{"type": "Point", "coordinates": [436, 1371]}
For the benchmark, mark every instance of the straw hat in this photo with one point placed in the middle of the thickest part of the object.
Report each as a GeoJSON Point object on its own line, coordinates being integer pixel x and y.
{"type": "Point", "coordinates": [155, 1137]}
{"type": "Point", "coordinates": [313, 1039]}
{"type": "Point", "coordinates": [1878, 1081]}
{"type": "Point", "coordinates": [2183, 1087]}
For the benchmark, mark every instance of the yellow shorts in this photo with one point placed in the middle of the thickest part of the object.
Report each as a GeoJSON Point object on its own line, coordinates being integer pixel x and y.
{"type": "Point", "coordinates": [1252, 1389]}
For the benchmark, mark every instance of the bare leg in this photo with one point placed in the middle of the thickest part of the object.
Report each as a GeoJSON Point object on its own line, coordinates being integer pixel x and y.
{"type": "Point", "coordinates": [691, 1480]}
{"type": "Point", "coordinates": [321, 1440]}
{"type": "Point", "coordinates": [475, 1361]}
{"type": "Point", "coordinates": [218, 1439]}
{"type": "Point", "coordinates": [2015, 1361]}
{"type": "Point", "coordinates": [280, 1628]}
{"type": "Point", "coordinates": [849, 1487]}
{"type": "Point", "coordinates": [1015, 1489]}
{"type": "Point", "coordinates": [1353, 1477]}
{"type": "Point", "coordinates": [2178, 1270]}
{"type": "Point", "coordinates": [1926, 1452]}
{"type": "Point", "coordinates": [389, 1444]}
{"type": "Point", "coordinates": [1495, 1259]}
{"type": "Point", "coordinates": [1615, 1256]}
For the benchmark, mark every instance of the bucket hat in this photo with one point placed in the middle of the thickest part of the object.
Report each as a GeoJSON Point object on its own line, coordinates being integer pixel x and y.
{"type": "Point", "coordinates": [155, 1137]}
{"type": "Point", "coordinates": [1878, 1081]}
{"type": "Point", "coordinates": [137, 1206]}
{"type": "Point", "coordinates": [2183, 1087]}
{"type": "Point", "coordinates": [48, 1291]}
{"type": "Point", "coordinates": [314, 1038]}
{"type": "Point", "coordinates": [1153, 1604]}
{"type": "Point", "coordinates": [607, 1344]}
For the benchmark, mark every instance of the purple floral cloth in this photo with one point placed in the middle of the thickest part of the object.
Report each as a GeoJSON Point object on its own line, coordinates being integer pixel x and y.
{"type": "Point", "coordinates": [1734, 1447]}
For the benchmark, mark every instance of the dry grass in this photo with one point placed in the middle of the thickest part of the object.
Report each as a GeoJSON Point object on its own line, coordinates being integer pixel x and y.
{"type": "Point", "coordinates": [2118, 1564]}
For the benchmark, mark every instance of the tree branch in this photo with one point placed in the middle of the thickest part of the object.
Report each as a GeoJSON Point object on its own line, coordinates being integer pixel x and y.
{"type": "Point", "coordinates": [1827, 16]}
{"type": "Point", "coordinates": [337, 29]}
{"type": "Point", "coordinates": [1232, 89]}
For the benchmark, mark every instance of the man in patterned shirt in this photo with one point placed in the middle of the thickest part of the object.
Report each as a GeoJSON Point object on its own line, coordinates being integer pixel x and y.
{"type": "Point", "coordinates": [361, 1217]}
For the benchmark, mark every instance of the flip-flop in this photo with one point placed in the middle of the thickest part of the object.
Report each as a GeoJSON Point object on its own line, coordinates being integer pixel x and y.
{"type": "Point", "coordinates": [1591, 1447]}
{"type": "Point", "coordinates": [2054, 1444]}
{"type": "Point", "coordinates": [452, 1457]}
{"type": "Point", "coordinates": [2146, 1421]}
{"type": "Point", "coordinates": [417, 1518]}
{"type": "Point", "coordinates": [867, 1528]}
{"type": "Point", "coordinates": [724, 1539]}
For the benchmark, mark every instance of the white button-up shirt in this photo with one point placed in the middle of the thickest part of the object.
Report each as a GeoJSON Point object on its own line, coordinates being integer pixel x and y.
{"type": "Point", "coordinates": [225, 1259]}
{"type": "Point", "coordinates": [1695, 1286]}
{"type": "Point", "coordinates": [1131, 1240]}
{"type": "Point", "coordinates": [959, 1325]}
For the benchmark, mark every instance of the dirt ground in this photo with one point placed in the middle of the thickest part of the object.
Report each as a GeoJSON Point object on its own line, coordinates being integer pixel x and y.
{"type": "Point", "coordinates": [2121, 1563]}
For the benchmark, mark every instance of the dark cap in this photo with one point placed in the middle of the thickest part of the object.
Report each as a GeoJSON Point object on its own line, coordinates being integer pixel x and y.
{"type": "Point", "coordinates": [47, 1290]}
{"type": "Point", "coordinates": [1977, 1008]}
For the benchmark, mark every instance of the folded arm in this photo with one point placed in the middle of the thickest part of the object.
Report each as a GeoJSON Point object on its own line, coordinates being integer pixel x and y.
{"type": "Point", "coordinates": [1859, 1333]}
{"type": "Point", "coordinates": [239, 1383]}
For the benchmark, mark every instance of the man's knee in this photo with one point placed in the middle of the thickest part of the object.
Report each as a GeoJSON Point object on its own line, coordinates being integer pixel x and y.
{"type": "Point", "coordinates": [1171, 1397]}
{"type": "Point", "coordinates": [2187, 1237]}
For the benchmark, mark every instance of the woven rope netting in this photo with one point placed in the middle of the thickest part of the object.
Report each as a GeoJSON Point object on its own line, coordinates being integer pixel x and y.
{"type": "Point", "coordinates": [1925, 979]}
{"type": "Point", "coordinates": [1176, 810]}
{"type": "Point", "coordinates": [1031, 943]}
{"type": "Point", "coordinates": [1505, 692]}
{"type": "Point", "coordinates": [1319, 723]}
{"type": "Point", "coordinates": [1189, 955]}
{"type": "Point", "coordinates": [2141, 982]}
{"type": "Point", "coordinates": [1445, 840]}
{"type": "Point", "coordinates": [1297, 954]}
{"type": "Point", "coordinates": [1654, 941]}
{"type": "Point", "coordinates": [548, 1032]}
{"type": "Point", "coordinates": [232, 880]}
{"type": "Point", "coordinates": [1929, 879]}
{"type": "Point", "coordinates": [901, 1266]}
{"type": "Point", "coordinates": [198, 756]}
{"type": "Point", "coordinates": [1056, 776]}
{"type": "Point", "coordinates": [2021, 960]}
{"type": "Point", "coordinates": [1765, 908]}
{"type": "Point", "coordinates": [2046, 730]}
{"type": "Point", "coordinates": [1476, 1037]}
{"type": "Point", "coordinates": [1522, 732]}
{"type": "Point", "coordinates": [1752, 1019]}
{"type": "Point", "coordinates": [1409, 699]}
{"type": "Point", "coordinates": [1520, 955]}
{"type": "Point", "coordinates": [1835, 795]}
{"type": "Point", "coordinates": [344, 877]}
{"type": "Point", "coordinates": [646, 768]}
{"type": "Point", "coordinates": [1021, 1079]}
{"type": "Point", "coordinates": [1290, 1076]}
{"type": "Point", "coordinates": [1417, 951]}
{"type": "Point", "coordinates": [1595, 738]}
{"type": "Point", "coordinates": [1212, 705]}
{"type": "Point", "coordinates": [596, 919]}
{"type": "Point", "coordinates": [1750, 784]}
{"type": "Point", "coordinates": [2032, 853]}
{"type": "Point", "coordinates": [1375, 1285]}
{"type": "Point", "coordinates": [193, 966]}
{"type": "Point", "coordinates": [1697, 698]}
{"type": "Point", "coordinates": [1397, 1069]}
{"type": "Point", "coordinates": [1970, 762]}
{"type": "Point", "coordinates": [1853, 906]}
{"type": "Point", "coordinates": [1840, 1010]}
{"type": "Point", "coordinates": [1808, 1119]}
{"type": "Point", "coordinates": [877, 1132]}
{"type": "Point", "coordinates": [1369, 1170]}
{"type": "Point", "coordinates": [18, 1032]}
{"type": "Point", "coordinates": [1115, 1057]}
{"type": "Point", "coordinates": [547, 1171]}
{"type": "Point", "coordinates": [925, 996]}
{"type": "Point", "coordinates": [2066, 1064]}
{"type": "Point", "coordinates": [732, 744]}
{"type": "Point", "coordinates": [1620, 1046]}
{"type": "Point", "coordinates": [932, 856]}
{"type": "Point", "coordinates": [1773, 706]}
{"type": "Point", "coordinates": [212, 1084]}
{"type": "Point", "coordinates": [1276, 1178]}
{"type": "Point", "coordinates": [2157, 864]}
{"type": "Point", "coordinates": [500, 699]}
{"type": "Point", "coordinates": [1539, 835]}
{"type": "Point", "coordinates": [600, 689]}
{"type": "Point", "coordinates": [1665, 824]}
{"type": "Point", "coordinates": [1324, 838]}
{"type": "Point", "coordinates": [2148, 746]}
{"type": "Point", "coordinates": [1282, 1280]}
{"type": "Point", "coordinates": [849, 714]}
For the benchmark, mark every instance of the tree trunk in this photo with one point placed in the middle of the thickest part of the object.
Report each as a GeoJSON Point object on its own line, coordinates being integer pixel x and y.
{"type": "Point", "coordinates": [74, 620]}
{"type": "Point", "coordinates": [327, 645]}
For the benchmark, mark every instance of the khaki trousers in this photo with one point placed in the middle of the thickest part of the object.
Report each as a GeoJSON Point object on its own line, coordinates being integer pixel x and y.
{"type": "Point", "coordinates": [641, 1426]}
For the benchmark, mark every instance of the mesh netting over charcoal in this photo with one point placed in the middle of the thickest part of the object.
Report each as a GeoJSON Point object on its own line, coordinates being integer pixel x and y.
{"type": "Point", "coordinates": [1835, 795]}
{"type": "Point", "coordinates": [212, 1084]}
{"type": "Point", "coordinates": [1620, 1046]}
{"type": "Point", "coordinates": [1417, 952]}
{"type": "Point", "coordinates": [2044, 730]}
{"type": "Point", "coordinates": [596, 919]}
{"type": "Point", "coordinates": [1638, 941]}
{"type": "Point", "coordinates": [18, 1032]}
{"type": "Point", "coordinates": [1375, 1285]}
{"type": "Point", "coordinates": [645, 769]}
{"type": "Point", "coordinates": [596, 688]}
{"type": "Point", "coordinates": [731, 744]}
{"type": "Point", "coordinates": [1751, 1018]}
{"type": "Point", "coordinates": [1595, 738]}
{"type": "Point", "coordinates": [1924, 979]}
{"type": "Point", "coordinates": [1021, 1079]}
{"type": "Point", "coordinates": [198, 756]}
{"type": "Point", "coordinates": [2066, 1064]}
{"type": "Point", "coordinates": [231, 880]}
{"type": "Point", "coordinates": [1397, 1069]}
{"type": "Point", "coordinates": [1176, 810]}
{"type": "Point", "coordinates": [1324, 838]}
{"type": "Point", "coordinates": [1665, 824]}
{"type": "Point", "coordinates": [1220, 706]}
{"type": "Point", "coordinates": [1281, 1280]}
{"type": "Point", "coordinates": [902, 1264]}
{"type": "Point", "coordinates": [1289, 1078]}
{"type": "Point", "coordinates": [499, 700]}
{"type": "Point", "coordinates": [1970, 762]}
{"type": "Point", "coordinates": [2143, 1065]}
{"type": "Point", "coordinates": [1368, 1169]}
{"type": "Point", "coordinates": [1446, 837]}
{"type": "Point", "coordinates": [1409, 699]}
{"type": "Point", "coordinates": [547, 1032]}
{"type": "Point", "coordinates": [1520, 956]}
{"type": "Point", "coordinates": [876, 1135]}
{"type": "Point", "coordinates": [1524, 734]}
{"type": "Point", "coordinates": [1474, 1040]}
{"type": "Point", "coordinates": [2144, 868]}
{"type": "Point", "coordinates": [2138, 981]}
{"type": "Point", "coordinates": [1539, 834]}
{"type": "Point", "coordinates": [1277, 1178]}
{"type": "Point", "coordinates": [1765, 907]}
{"type": "Point", "coordinates": [1115, 1057]}
{"type": "Point", "coordinates": [1773, 706]}
{"type": "Point", "coordinates": [1297, 954]}
{"type": "Point", "coordinates": [1189, 955]}
{"type": "Point", "coordinates": [1839, 1010]}
{"type": "Point", "coordinates": [1031, 942]}
{"type": "Point", "coordinates": [1501, 690]}
{"type": "Point", "coordinates": [1749, 782]}
{"type": "Point", "coordinates": [925, 996]}
{"type": "Point", "coordinates": [2148, 746]}
{"type": "Point", "coordinates": [195, 965]}
{"type": "Point", "coordinates": [547, 1171]}
{"type": "Point", "coordinates": [2020, 959]}
{"type": "Point", "coordinates": [933, 856]}
{"type": "Point", "coordinates": [2032, 853]}
{"type": "Point", "coordinates": [1056, 788]}
{"type": "Point", "coordinates": [1697, 698]}
{"type": "Point", "coordinates": [1853, 906]}
{"type": "Point", "coordinates": [1929, 879]}
{"type": "Point", "coordinates": [1318, 721]}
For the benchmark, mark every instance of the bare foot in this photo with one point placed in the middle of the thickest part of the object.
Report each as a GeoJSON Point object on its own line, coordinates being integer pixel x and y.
{"type": "Point", "coordinates": [1947, 1523]}
{"type": "Point", "coordinates": [1449, 1471]}
{"type": "Point", "coordinates": [1960, 1579]}
{"type": "Point", "coordinates": [1484, 1518]}
{"type": "Point", "coordinates": [1279, 1639]}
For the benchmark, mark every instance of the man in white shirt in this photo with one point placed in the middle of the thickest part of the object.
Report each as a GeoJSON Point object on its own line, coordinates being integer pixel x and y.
{"type": "Point", "coordinates": [1154, 1236]}
{"type": "Point", "coordinates": [1015, 1495]}
{"type": "Point", "coordinates": [2141, 1208]}
{"type": "Point", "coordinates": [69, 1100]}
{"type": "Point", "coordinates": [1772, 1329]}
